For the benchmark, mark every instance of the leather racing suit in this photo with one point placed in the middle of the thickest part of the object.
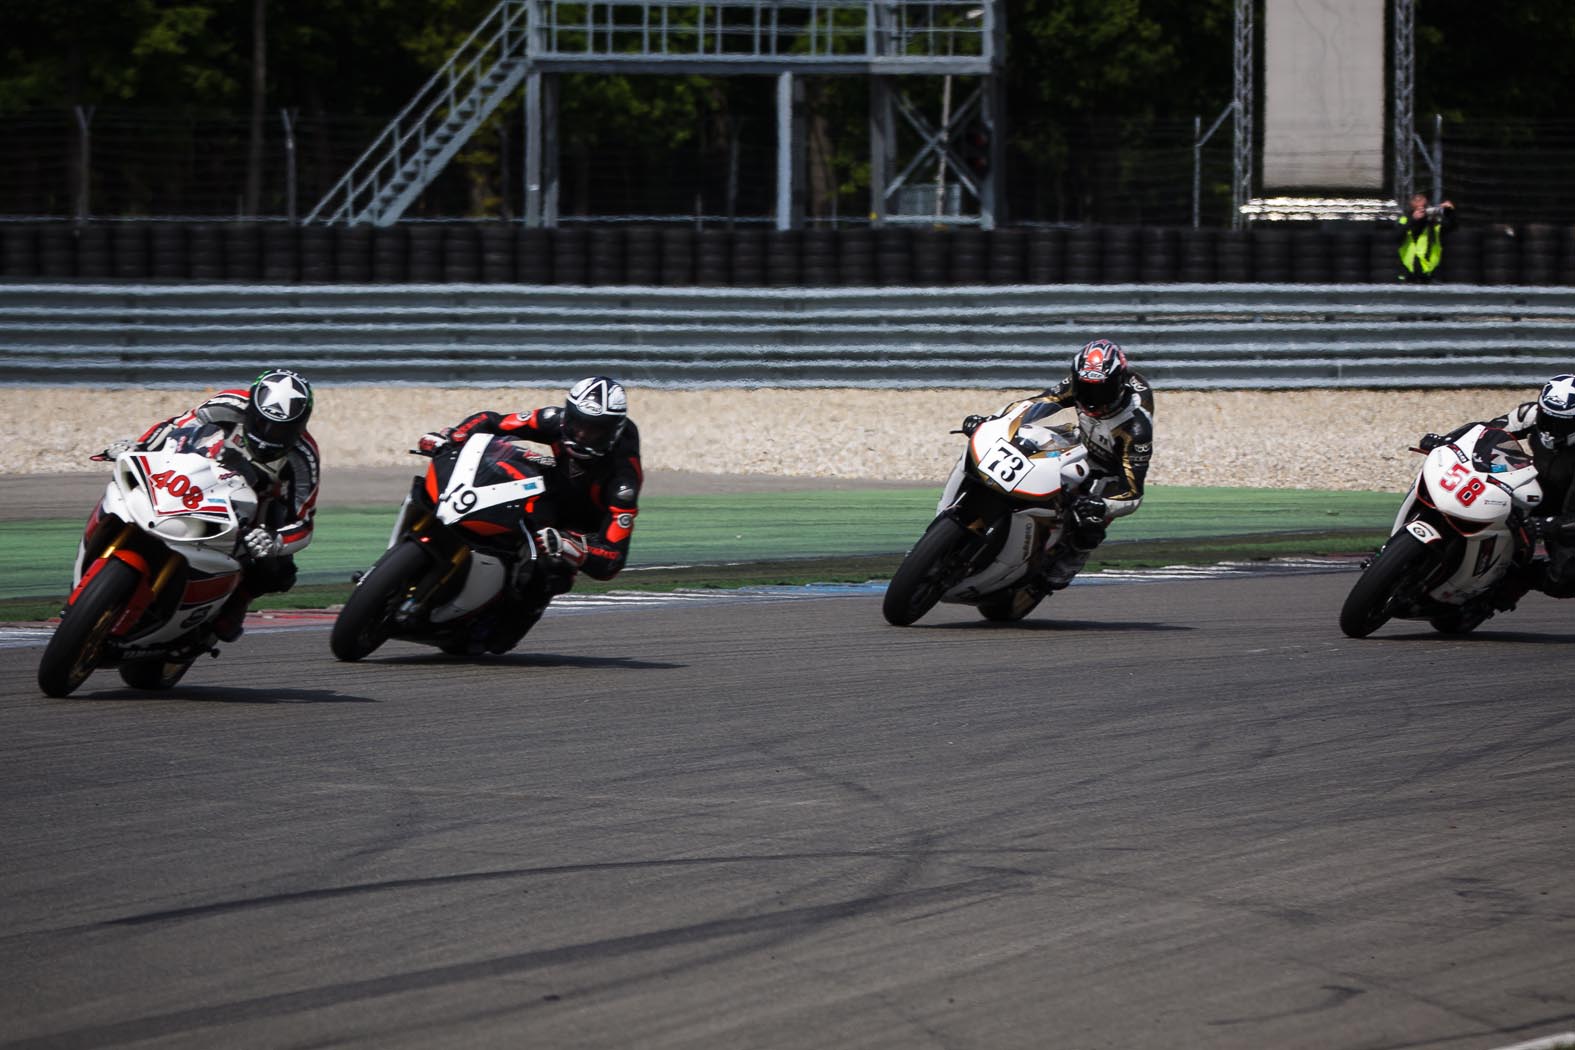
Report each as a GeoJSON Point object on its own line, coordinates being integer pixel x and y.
{"type": "Point", "coordinates": [1120, 444]}
{"type": "Point", "coordinates": [597, 499]}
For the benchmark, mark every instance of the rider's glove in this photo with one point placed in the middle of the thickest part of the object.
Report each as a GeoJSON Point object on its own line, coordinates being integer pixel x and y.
{"type": "Point", "coordinates": [971, 424]}
{"type": "Point", "coordinates": [115, 448]}
{"type": "Point", "coordinates": [1428, 442]}
{"type": "Point", "coordinates": [566, 547]}
{"type": "Point", "coordinates": [432, 443]}
{"type": "Point", "coordinates": [1088, 510]}
{"type": "Point", "coordinates": [260, 543]}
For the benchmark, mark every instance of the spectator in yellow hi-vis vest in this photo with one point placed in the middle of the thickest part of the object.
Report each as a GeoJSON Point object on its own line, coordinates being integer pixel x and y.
{"type": "Point", "coordinates": [1422, 238]}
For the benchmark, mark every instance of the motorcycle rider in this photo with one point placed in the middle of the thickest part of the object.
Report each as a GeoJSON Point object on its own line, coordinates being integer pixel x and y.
{"type": "Point", "coordinates": [595, 475]}
{"type": "Point", "coordinates": [1115, 416]}
{"type": "Point", "coordinates": [1547, 427]}
{"type": "Point", "coordinates": [266, 425]}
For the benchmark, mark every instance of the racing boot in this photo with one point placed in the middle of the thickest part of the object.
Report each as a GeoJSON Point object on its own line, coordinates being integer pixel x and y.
{"type": "Point", "coordinates": [1059, 573]}
{"type": "Point", "coordinates": [1087, 532]}
{"type": "Point", "coordinates": [230, 623]}
{"type": "Point", "coordinates": [535, 585]}
{"type": "Point", "coordinates": [1557, 532]}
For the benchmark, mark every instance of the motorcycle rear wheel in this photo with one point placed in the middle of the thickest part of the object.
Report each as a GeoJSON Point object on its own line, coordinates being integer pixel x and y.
{"type": "Point", "coordinates": [77, 645]}
{"type": "Point", "coordinates": [925, 574]}
{"type": "Point", "coordinates": [1400, 562]}
{"type": "Point", "coordinates": [154, 673]}
{"type": "Point", "coordinates": [366, 621]}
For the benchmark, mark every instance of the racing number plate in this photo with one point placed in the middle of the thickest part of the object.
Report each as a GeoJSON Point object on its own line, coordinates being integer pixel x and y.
{"type": "Point", "coordinates": [1004, 463]}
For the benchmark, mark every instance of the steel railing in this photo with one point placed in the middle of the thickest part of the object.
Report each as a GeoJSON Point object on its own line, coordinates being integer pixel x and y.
{"type": "Point", "coordinates": [1181, 336]}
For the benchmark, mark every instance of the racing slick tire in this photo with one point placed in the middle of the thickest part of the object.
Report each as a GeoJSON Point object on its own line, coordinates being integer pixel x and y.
{"type": "Point", "coordinates": [77, 645]}
{"type": "Point", "coordinates": [1400, 561]}
{"type": "Point", "coordinates": [366, 621]}
{"type": "Point", "coordinates": [926, 573]}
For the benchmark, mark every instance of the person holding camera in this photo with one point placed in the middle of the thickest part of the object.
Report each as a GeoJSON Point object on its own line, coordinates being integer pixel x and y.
{"type": "Point", "coordinates": [1422, 231]}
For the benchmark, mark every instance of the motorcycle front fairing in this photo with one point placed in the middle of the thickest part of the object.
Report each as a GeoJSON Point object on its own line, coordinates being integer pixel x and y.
{"type": "Point", "coordinates": [473, 508]}
{"type": "Point", "coordinates": [1466, 500]}
{"type": "Point", "coordinates": [1012, 476]}
{"type": "Point", "coordinates": [186, 512]}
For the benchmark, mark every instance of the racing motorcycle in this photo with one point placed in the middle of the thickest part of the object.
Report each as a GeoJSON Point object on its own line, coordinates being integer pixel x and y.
{"type": "Point", "coordinates": [160, 555]}
{"type": "Point", "coordinates": [1002, 518]}
{"type": "Point", "coordinates": [447, 577]}
{"type": "Point", "coordinates": [1457, 535]}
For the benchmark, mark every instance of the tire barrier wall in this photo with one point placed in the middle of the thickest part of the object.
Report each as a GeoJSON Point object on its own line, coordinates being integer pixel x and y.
{"type": "Point", "coordinates": [1187, 336]}
{"type": "Point", "coordinates": [753, 257]}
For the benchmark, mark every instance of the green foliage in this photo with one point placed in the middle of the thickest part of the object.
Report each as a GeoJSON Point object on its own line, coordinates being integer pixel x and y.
{"type": "Point", "coordinates": [1087, 80]}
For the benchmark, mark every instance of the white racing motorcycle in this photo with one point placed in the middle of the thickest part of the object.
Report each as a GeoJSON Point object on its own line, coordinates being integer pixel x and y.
{"type": "Point", "coordinates": [1001, 519]}
{"type": "Point", "coordinates": [159, 557]}
{"type": "Point", "coordinates": [1455, 538]}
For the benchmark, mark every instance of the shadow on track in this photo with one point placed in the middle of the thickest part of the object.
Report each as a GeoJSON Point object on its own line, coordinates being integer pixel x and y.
{"type": "Point", "coordinates": [224, 695]}
{"type": "Point", "coordinates": [525, 660]}
{"type": "Point", "coordinates": [1053, 625]}
{"type": "Point", "coordinates": [1479, 635]}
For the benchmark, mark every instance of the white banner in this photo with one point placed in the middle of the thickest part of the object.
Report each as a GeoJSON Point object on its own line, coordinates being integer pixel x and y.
{"type": "Point", "coordinates": [1323, 113]}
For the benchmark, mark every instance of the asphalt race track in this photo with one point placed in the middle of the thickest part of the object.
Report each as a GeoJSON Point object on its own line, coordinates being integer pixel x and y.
{"type": "Point", "coordinates": [1184, 814]}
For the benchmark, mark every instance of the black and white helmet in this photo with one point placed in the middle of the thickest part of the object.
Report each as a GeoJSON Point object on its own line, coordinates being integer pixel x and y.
{"type": "Point", "coordinates": [1556, 405]}
{"type": "Point", "coordinates": [277, 409]}
{"type": "Point", "coordinates": [594, 416]}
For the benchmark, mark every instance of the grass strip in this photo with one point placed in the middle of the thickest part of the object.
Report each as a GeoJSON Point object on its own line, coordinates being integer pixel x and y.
{"type": "Point", "coordinates": [795, 572]}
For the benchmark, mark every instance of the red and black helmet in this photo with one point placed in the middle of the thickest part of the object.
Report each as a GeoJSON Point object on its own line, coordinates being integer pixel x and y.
{"type": "Point", "coordinates": [1099, 377]}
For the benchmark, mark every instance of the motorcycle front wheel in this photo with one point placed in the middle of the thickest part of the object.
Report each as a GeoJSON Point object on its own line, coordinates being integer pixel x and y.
{"type": "Point", "coordinates": [77, 645]}
{"type": "Point", "coordinates": [1401, 562]}
{"type": "Point", "coordinates": [926, 573]}
{"type": "Point", "coordinates": [367, 620]}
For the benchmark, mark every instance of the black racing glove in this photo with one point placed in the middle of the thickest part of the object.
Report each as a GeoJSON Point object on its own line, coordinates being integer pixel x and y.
{"type": "Point", "coordinates": [1089, 510]}
{"type": "Point", "coordinates": [971, 424]}
{"type": "Point", "coordinates": [1428, 442]}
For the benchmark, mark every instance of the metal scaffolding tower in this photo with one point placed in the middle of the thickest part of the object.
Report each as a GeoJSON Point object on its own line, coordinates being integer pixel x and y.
{"type": "Point", "coordinates": [1245, 81]}
{"type": "Point", "coordinates": [533, 42]}
{"type": "Point", "coordinates": [1403, 59]}
{"type": "Point", "coordinates": [1403, 138]}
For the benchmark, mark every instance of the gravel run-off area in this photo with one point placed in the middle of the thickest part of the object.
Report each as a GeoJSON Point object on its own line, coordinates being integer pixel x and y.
{"type": "Point", "coordinates": [1320, 439]}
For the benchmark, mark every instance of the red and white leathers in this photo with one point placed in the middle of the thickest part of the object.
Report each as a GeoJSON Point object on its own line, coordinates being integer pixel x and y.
{"type": "Point", "coordinates": [289, 502]}
{"type": "Point", "coordinates": [597, 498]}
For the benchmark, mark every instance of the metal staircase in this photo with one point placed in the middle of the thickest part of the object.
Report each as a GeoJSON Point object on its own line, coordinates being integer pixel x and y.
{"type": "Point", "coordinates": [531, 42]}
{"type": "Point", "coordinates": [427, 133]}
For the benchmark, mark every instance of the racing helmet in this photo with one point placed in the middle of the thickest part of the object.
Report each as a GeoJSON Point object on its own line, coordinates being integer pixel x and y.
{"type": "Point", "coordinates": [1099, 377]}
{"type": "Point", "coordinates": [277, 408]}
{"type": "Point", "coordinates": [594, 416]}
{"type": "Point", "coordinates": [1556, 405]}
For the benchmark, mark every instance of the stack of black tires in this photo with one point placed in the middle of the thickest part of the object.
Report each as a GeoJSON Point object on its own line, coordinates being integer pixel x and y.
{"type": "Point", "coordinates": [754, 256]}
